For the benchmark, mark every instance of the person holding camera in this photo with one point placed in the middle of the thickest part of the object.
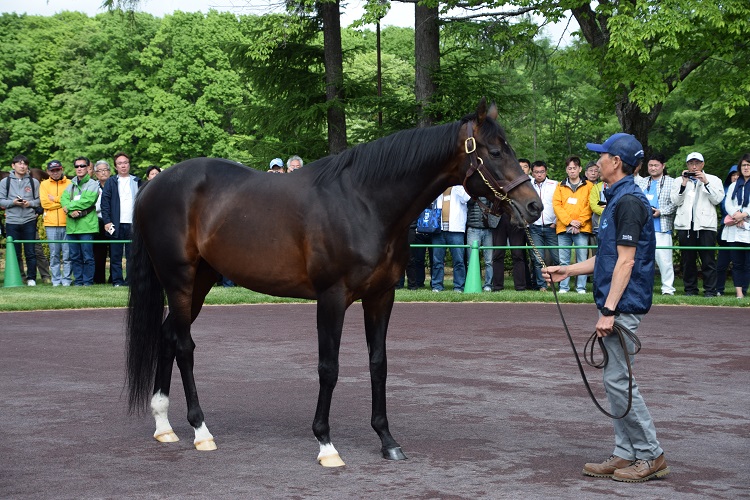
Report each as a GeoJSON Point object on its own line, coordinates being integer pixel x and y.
{"type": "Point", "coordinates": [79, 203]}
{"type": "Point", "coordinates": [19, 196]}
{"type": "Point", "coordinates": [696, 197]}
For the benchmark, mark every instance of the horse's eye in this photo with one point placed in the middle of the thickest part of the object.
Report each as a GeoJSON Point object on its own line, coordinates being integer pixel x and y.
{"type": "Point", "coordinates": [495, 153]}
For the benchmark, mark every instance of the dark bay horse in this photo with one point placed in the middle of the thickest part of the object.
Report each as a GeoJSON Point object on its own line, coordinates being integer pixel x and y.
{"type": "Point", "coordinates": [334, 231]}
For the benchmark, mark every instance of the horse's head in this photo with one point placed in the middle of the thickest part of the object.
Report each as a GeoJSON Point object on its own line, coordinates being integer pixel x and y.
{"type": "Point", "coordinates": [491, 168]}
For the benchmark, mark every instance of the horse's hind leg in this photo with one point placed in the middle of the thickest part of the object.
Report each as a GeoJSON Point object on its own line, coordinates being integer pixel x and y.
{"type": "Point", "coordinates": [178, 345]}
{"type": "Point", "coordinates": [331, 310]}
{"type": "Point", "coordinates": [160, 399]}
{"type": "Point", "coordinates": [377, 314]}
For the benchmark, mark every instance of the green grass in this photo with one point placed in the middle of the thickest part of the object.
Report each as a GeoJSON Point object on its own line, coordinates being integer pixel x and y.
{"type": "Point", "coordinates": [44, 297]}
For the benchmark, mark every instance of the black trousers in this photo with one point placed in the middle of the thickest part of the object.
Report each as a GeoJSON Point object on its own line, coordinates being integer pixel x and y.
{"type": "Point", "coordinates": [100, 257]}
{"type": "Point", "coordinates": [690, 260]}
{"type": "Point", "coordinates": [415, 268]}
{"type": "Point", "coordinates": [507, 234]}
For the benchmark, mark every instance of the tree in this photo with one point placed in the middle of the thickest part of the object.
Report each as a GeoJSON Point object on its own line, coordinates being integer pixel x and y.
{"type": "Point", "coordinates": [281, 59]}
{"type": "Point", "coordinates": [427, 59]}
{"type": "Point", "coordinates": [329, 12]}
{"type": "Point", "coordinates": [643, 49]}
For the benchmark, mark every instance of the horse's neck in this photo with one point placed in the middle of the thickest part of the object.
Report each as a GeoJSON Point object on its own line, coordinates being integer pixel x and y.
{"type": "Point", "coordinates": [402, 202]}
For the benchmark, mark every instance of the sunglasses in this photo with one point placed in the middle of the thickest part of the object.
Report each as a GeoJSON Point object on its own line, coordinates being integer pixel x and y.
{"type": "Point", "coordinates": [82, 166]}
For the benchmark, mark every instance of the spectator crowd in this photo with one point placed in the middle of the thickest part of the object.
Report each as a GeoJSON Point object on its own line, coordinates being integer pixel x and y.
{"type": "Point", "coordinates": [698, 208]}
{"type": "Point", "coordinates": [96, 204]}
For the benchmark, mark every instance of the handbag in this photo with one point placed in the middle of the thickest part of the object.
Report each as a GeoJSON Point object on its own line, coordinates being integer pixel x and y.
{"type": "Point", "coordinates": [430, 219]}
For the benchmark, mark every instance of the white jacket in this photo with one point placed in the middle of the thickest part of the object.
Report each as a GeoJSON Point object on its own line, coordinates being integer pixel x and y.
{"type": "Point", "coordinates": [734, 234]}
{"type": "Point", "coordinates": [457, 217]}
{"type": "Point", "coordinates": [545, 191]}
{"type": "Point", "coordinates": [697, 203]}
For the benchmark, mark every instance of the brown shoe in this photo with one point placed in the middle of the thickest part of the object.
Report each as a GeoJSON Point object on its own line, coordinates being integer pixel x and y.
{"type": "Point", "coordinates": [642, 470]}
{"type": "Point", "coordinates": [606, 468]}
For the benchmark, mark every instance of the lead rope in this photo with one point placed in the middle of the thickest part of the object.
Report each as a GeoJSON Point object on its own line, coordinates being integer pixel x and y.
{"type": "Point", "coordinates": [619, 329]}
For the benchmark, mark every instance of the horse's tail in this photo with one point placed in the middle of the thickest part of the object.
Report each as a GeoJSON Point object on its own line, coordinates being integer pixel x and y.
{"type": "Point", "coordinates": [145, 317]}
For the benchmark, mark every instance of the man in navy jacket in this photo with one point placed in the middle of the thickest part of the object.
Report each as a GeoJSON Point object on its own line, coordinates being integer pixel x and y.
{"type": "Point", "coordinates": [118, 198]}
{"type": "Point", "coordinates": [623, 269]}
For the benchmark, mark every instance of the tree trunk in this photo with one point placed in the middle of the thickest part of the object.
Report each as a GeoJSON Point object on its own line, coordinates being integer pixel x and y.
{"type": "Point", "coordinates": [334, 67]}
{"type": "Point", "coordinates": [427, 57]}
{"type": "Point", "coordinates": [634, 121]}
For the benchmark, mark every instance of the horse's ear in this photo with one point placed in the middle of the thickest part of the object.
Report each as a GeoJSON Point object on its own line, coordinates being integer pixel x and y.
{"type": "Point", "coordinates": [492, 113]}
{"type": "Point", "coordinates": [481, 111]}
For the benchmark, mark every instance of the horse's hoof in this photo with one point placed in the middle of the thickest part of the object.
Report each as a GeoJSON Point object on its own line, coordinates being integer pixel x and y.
{"type": "Point", "coordinates": [394, 454]}
{"type": "Point", "coordinates": [331, 461]}
{"type": "Point", "coordinates": [205, 445]}
{"type": "Point", "coordinates": [167, 437]}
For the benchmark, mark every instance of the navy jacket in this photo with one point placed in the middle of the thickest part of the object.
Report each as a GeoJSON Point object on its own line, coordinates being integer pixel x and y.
{"type": "Point", "coordinates": [111, 201]}
{"type": "Point", "coordinates": [639, 293]}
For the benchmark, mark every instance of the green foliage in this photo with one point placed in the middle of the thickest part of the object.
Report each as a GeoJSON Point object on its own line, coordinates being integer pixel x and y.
{"type": "Point", "coordinates": [251, 88]}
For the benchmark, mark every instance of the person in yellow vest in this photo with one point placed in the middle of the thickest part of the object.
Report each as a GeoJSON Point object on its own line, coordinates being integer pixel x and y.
{"type": "Point", "coordinates": [50, 193]}
{"type": "Point", "coordinates": [571, 205]}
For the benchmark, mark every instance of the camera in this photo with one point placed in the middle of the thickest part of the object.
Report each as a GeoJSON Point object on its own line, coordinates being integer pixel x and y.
{"type": "Point", "coordinates": [689, 174]}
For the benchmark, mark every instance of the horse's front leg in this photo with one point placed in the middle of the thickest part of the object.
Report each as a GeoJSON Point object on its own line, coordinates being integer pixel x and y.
{"type": "Point", "coordinates": [377, 315]}
{"type": "Point", "coordinates": [331, 309]}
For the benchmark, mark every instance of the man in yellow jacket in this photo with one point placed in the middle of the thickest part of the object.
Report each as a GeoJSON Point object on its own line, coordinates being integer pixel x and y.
{"type": "Point", "coordinates": [571, 205]}
{"type": "Point", "coordinates": [50, 192]}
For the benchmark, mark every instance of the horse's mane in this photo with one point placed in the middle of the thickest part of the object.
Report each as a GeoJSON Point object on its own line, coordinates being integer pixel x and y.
{"type": "Point", "coordinates": [396, 155]}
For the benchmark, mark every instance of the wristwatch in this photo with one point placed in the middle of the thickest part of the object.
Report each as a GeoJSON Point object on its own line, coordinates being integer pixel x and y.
{"type": "Point", "coordinates": [609, 312]}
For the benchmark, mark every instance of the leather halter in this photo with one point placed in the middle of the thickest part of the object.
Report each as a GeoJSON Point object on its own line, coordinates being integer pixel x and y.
{"type": "Point", "coordinates": [477, 165]}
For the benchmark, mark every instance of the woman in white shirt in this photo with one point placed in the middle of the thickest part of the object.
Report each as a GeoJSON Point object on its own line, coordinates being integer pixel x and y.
{"type": "Point", "coordinates": [737, 226]}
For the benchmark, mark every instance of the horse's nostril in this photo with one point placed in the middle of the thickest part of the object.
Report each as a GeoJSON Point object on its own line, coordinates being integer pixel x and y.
{"type": "Point", "coordinates": [535, 208]}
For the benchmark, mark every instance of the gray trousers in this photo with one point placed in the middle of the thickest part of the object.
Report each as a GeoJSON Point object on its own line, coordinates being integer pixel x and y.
{"type": "Point", "coordinates": [635, 435]}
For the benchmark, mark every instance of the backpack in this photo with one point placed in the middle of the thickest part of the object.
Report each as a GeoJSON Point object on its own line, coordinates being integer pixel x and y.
{"type": "Point", "coordinates": [37, 210]}
{"type": "Point", "coordinates": [429, 221]}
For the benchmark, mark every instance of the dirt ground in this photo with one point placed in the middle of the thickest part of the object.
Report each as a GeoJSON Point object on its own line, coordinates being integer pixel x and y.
{"type": "Point", "coordinates": [485, 400]}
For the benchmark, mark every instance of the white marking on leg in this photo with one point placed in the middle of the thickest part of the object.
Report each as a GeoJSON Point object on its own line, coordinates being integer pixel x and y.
{"type": "Point", "coordinates": [160, 409]}
{"type": "Point", "coordinates": [204, 440]}
{"type": "Point", "coordinates": [328, 456]}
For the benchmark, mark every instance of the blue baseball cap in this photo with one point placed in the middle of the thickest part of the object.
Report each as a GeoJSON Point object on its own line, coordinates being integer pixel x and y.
{"type": "Point", "coordinates": [276, 162]}
{"type": "Point", "coordinates": [625, 146]}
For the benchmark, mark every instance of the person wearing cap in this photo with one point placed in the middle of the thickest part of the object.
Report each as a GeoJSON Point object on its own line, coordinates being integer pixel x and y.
{"type": "Point", "coordinates": [19, 196]}
{"type": "Point", "coordinates": [623, 270]}
{"type": "Point", "coordinates": [50, 194]}
{"type": "Point", "coordinates": [79, 203]}
{"type": "Point", "coordinates": [696, 197]}
{"type": "Point", "coordinates": [293, 163]}
{"type": "Point", "coordinates": [658, 189]}
{"type": "Point", "coordinates": [276, 166]}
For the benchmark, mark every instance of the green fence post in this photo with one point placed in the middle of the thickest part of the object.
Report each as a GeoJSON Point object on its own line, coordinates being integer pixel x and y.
{"type": "Point", "coordinates": [474, 274]}
{"type": "Point", "coordinates": [12, 272]}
